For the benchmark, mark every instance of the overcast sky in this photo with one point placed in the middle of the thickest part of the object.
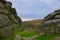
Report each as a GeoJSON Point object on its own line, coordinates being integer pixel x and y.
{"type": "Point", "coordinates": [35, 9]}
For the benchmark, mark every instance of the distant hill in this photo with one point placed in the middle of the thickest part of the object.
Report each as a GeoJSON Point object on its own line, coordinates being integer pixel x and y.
{"type": "Point", "coordinates": [32, 22]}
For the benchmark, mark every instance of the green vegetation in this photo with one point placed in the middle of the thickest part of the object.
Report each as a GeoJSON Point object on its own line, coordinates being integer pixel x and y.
{"type": "Point", "coordinates": [25, 33]}
{"type": "Point", "coordinates": [12, 38]}
{"type": "Point", "coordinates": [1, 38]}
{"type": "Point", "coordinates": [49, 37]}
{"type": "Point", "coordinates": [32, 33]}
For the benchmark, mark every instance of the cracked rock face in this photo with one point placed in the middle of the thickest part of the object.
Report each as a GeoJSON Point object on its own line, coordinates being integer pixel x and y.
{"type": "Point", "coordinates": [8, 19]}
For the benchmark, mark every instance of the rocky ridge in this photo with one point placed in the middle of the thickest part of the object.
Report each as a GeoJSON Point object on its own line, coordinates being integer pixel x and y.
{"type": "Point", "coordinates": [51, 23]}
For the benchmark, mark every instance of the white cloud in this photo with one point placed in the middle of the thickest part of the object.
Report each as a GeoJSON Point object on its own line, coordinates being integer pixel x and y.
{"type": "Point", "coordinates": [29, 19]}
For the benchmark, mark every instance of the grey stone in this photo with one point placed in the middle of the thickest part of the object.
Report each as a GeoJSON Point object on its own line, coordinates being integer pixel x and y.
{"type": "Point", "coordinates": [57, 29]}
{"type": "Point", "coordinates": [57, 38]}
{"type": "Point", "coordinates": [48, 17]}
{"type": "Point", "coordinates": [3, 11]}
{"type": "Point", "coordinates": [6, 32]}
{"type": "Point", "coordinates": [30, 38]}
{"type": "Point", "coordinates": [18, 37]}
{"type": "Point", "coordinates": [4, 21]}
{"type": "Point", "coordinates": [57, 17]}
{"type": "Point", "coordinates": [55, 21]}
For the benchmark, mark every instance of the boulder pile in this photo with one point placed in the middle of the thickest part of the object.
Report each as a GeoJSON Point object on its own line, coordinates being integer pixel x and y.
{"type": "Point", "coordinates": [8, 19]}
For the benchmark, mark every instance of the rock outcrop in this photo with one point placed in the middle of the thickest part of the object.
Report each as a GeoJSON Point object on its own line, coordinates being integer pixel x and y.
{"type": "Point", "coordinates": [8, 19]}
{"type": "Point", "coordinates": [51, 23]}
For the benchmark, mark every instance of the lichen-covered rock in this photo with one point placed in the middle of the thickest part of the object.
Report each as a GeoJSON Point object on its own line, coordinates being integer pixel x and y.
{"type": "Point", "coordinates": [8, 19]}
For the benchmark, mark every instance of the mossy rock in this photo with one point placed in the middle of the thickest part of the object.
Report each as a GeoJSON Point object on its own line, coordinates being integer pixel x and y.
{"type": "Point", "coordinates": [9, 19]}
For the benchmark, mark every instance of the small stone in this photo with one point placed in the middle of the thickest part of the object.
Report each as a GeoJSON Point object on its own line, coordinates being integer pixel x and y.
{"type": "Point", "coordinates": [57, 38]}
{"type": "Point", "coordinates": [17, 37]}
